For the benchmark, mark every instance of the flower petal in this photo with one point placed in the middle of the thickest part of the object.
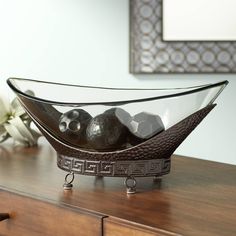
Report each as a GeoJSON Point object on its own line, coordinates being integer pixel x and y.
{"type": "Point", "coordinates": [14, 133]}
{"type": "Point", "coordinates": [23, 130]}
{"type": "Point", "coordinates": [16, 108]}
{"type": "Point", "coordinates": [4, 110]}
{"type": "Point", "coordinates": [3, 134]}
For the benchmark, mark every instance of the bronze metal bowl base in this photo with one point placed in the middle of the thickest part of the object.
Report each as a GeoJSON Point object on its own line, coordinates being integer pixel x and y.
{"type": "Point", "coordinates": [150, 158]}
{"type": "Point", "coordinates": [129, 169]}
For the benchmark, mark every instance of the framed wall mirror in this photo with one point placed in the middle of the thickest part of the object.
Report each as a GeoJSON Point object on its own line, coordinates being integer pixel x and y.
{"type": "Point", "coordinates": [199, 20]}
{"type": "Point", "coordinates": [159, 43]}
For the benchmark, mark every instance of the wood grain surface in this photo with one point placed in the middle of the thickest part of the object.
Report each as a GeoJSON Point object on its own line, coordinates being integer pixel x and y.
{"type": "Point", "coordinates": [29, 217]}
{"type": "Point", "coordinates": [197, 198]}
{"type": "Point", "coordinates": [118, 227]}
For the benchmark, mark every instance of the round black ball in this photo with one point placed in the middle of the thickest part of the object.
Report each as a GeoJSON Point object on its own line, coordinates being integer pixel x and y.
{"type": "Point", "coordinates": [73, 125]}
{"type": "Point", "coordinates": [106, 131]}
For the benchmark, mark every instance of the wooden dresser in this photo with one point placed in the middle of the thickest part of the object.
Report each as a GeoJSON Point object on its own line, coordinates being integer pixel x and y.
{"type": "Point", "coordinates": [197, 198]}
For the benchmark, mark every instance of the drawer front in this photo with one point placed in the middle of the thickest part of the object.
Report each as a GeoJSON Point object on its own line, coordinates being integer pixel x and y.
{"type": "Point", "coordinates": [34, 217]}
{"type": "Point", "coordinates": [118, 227]}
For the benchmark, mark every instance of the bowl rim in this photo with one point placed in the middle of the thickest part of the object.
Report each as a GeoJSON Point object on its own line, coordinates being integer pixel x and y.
{"type": "Point", "coordinates": [191, 89]}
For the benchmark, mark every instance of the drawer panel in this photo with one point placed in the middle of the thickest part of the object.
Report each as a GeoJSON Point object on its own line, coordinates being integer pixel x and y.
{"type": "Point", "coordinates": [34, 217]}
{"type": "Point", "coordinates": [118, 227]}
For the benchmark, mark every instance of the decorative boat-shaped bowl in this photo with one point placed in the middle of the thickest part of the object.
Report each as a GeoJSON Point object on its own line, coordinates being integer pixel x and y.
{"type": "Point", "coordinates": [114, 132]}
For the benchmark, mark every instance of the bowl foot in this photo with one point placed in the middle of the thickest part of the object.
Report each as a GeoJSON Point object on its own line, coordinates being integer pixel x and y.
{"type": "Point", "coordinates": [69, 178]}
{"type": "Point", "coordinates": [130, 183]}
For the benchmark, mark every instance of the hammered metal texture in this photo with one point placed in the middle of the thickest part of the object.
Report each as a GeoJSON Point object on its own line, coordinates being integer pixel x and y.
{"type": "Point", "coordinates": [159, 147]}
{"type": "Point", "coordinates": [150, 54]}
{"type": "Point", "coordinates": [145, 168]}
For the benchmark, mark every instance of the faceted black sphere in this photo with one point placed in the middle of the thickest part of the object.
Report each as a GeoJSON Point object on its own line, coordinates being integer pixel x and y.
{"type": "Point", "coordinates": [73, 125]}
{"type": "Point", "coordinates": [106, 132]}
{"type": "Point", "coordinates": [123, 116]}
{"type": "Point", "coordinates": [145, 125]}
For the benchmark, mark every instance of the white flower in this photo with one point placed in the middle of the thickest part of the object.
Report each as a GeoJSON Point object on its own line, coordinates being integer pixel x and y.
{"type": "Point", "coordinates": [15, 122]}
{"type": "Point", "coordinates": [4, 110]}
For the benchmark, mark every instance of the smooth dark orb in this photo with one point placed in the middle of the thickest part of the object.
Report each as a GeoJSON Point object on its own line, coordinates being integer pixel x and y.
{"type": "Point", "coordinates": [145, 125]}
{"type": "Point", "coordinates": [73, 125]}
{"type": "Point", "coordinates": [106, 132]}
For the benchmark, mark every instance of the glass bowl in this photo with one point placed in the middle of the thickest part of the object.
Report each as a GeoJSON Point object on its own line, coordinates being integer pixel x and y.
{"type": "Point", "coordinates": [111, 131]}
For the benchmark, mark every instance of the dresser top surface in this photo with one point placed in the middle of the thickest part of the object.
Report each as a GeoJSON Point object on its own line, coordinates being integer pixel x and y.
{"type": "Point", "coordinates": [197, 198]}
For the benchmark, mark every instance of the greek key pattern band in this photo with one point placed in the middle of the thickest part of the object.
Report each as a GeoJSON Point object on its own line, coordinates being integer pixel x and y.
{"type": "Point", "coordinates": [115, 168]}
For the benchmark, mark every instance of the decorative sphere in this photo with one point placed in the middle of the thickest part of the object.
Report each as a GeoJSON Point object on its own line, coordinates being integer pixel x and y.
{"type": "Point", "coordinates": [73, 125]}
{"type": "Point", "coordinates": [145, 125]}
{"type": "Point", "coordinates": [106, 131]}
{"type": "Point", "coordinates": [123, 116]}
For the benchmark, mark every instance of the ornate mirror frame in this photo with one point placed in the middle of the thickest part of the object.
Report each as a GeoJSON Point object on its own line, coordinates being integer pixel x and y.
{"type": "Point", "coordinates": [150, 54]}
